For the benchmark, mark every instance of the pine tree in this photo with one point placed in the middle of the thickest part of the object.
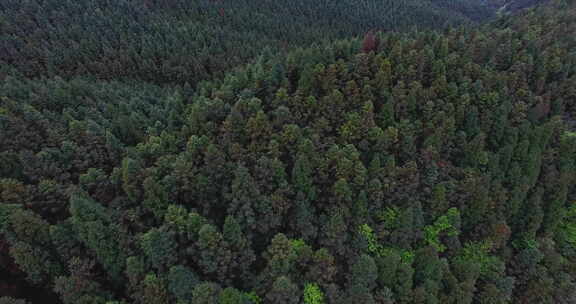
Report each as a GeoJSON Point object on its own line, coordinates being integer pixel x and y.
{"type": "Point", "coordinates": [80, 286]}
{"type": "Point", "coordinates": [99, 234]}
{"type": "Point", "coordinates": [206, 293]}
{"type": "Point", "coordinates": [244, 191]}
{"type": "Point", "coordinates": [242, 254]}
{"type": "Point", "coordinates": [214, 254]}
{"type": "Point", "coordinates": [283, 291]}
{"type": "Point", "coordinates": [370, 43]}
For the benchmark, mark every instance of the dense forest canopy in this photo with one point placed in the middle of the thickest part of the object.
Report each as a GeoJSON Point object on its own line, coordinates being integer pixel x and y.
{"type": "Point", "coordinates": [287, 152]}
{"type": "Point", "coordinates": [183, 41]}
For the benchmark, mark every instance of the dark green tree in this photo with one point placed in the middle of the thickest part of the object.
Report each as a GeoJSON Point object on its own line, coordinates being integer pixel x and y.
{"type": "Point", "coordinates": [159, 247]}
{"type": "Point", "coordinates": [283, 291]}
{"type": "Point", "coordinates": [97, 231]}
{"type": "Point", "coordinates": [181, 282]}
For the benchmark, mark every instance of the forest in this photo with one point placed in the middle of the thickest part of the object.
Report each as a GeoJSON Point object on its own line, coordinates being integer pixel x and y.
{"type": "Point", "coordinates": [290, 152]}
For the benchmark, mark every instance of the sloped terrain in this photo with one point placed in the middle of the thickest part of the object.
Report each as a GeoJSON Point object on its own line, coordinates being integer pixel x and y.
{"type": "Point", "coordinates": [181, 41]}
{"type": "Point", "coordinates": [403, 167]}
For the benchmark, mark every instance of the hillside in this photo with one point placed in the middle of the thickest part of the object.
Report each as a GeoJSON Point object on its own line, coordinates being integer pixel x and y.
{"type": "Point", "coordinates": [181, 41]}
{"type": "Point", "coordinates": [512, 6]}
{"type": "Point", "coordinates": [405, 166]}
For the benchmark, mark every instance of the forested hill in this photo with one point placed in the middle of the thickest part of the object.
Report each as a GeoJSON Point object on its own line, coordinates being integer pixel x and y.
{"type": "Point", "coordinates": [183, 41]}
{"type": "Point", "coordinates": [407, 167]}
{"type": "Point", "coordinates": [512, 6]}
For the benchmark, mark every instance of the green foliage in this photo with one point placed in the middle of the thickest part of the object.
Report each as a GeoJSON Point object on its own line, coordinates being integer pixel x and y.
{"type": "Point", "coordinates": [523, 243]}
{"type": "Point", "coordinates": [379, 250]}
{"type": "Point", "coordinates": [313, 294]}
{"type": "Point", "coordinates": [362, 280]}
{"type": "Point", "coordinates": [177, 217]}
{"type": "Point", "coordinates": [154, 290]}
{"type": "Point", "coordinates": [96, 230]}
{"type": "Point", "coordinates": [12, 191]}
{"type": "Point", "coordinates": [5, 211]}
{"type": "Point", "coordinates": [298, 245]}
{"type": "Point", "coordinates": [34, 261]}
{"type": "Point", "coordinates": [364, 272]}
{"type": "Point", "coordinates": [135, 270]}
{"type": "Point", "coordinates": [206, 293]}
{"type": "Point", "coordinates": [128, 140]}
{"type": "Point", "coordinates": [442, 224]}
{"type": "Point", "coordinates": [195, 222]}
{"type": "Point", "coordinates": [389, 217]}
{"type": "Point", "coordinates": [283, 291]}
{"type": "Point", "coordinates": [213, 256]}
{"type": "Point", "coordinates": [161, 31]}
{"type": "Point", "coordinates": [368, 234]}
{"type": "Point", "coordinates": [78, 287]}
{"type": "Point", "coordinates": [160, 248]}
{"type": "Point", "coordinates": [479, 253]}
{"type": "Point", "coordinates": [567, 231]}
{"type": "Point", "coordinates": [29, 239]}
{"type": "Point", "coordinates": [130, 178]}
{"type": "Point", "coordinates": [281, 256]}
{"type": "Point", "coordinates": [253, 297]}
{"type": "Point", "coordinates": [181, 282]}
{"type": "Point", "coordinates": [28, 226]}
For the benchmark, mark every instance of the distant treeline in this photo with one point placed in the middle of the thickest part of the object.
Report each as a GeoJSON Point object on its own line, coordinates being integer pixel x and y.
{"type": "Point", "coordinates": [182, 41]}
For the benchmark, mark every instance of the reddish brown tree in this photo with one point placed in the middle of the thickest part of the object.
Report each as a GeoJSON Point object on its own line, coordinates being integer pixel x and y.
{"type": "Point", "coordinates": [371, 42]}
